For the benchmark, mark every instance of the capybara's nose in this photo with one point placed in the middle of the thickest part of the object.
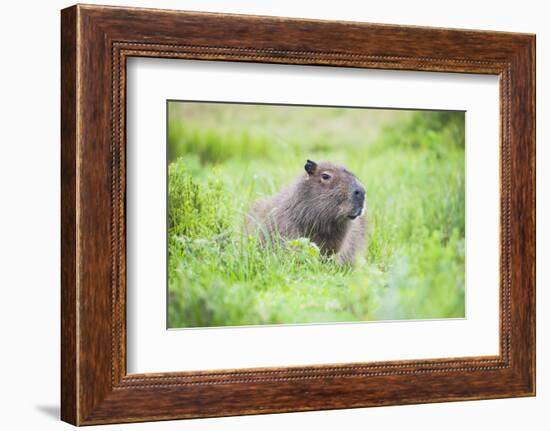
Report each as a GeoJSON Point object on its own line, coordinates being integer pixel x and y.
{"type": "Point", "coordinates": [359, 194]}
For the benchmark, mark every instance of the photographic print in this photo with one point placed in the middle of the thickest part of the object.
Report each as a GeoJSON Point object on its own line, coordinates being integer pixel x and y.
{"type": "Point", "coordinates": [288, 214]}
{"type": "Point", "coordinates": [292, 223]}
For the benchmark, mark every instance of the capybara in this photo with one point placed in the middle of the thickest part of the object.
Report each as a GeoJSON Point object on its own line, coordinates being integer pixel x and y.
{"type": "Point", "coordinates": [326, 205]}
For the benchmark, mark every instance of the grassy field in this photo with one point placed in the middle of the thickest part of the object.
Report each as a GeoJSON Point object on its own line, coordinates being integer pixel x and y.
{"type": "Point", "coordinates": [223, 157]}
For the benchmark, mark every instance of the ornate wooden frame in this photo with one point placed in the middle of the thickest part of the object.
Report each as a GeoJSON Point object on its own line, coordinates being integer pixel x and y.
{"type": "Point", "coordinates": [95, 43]}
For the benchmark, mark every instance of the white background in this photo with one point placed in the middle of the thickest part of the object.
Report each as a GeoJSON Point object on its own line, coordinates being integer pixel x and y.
{"type": "Point", "coordinates": [29, 219]}
{"type": "Point", "coordinates": [151, 348]}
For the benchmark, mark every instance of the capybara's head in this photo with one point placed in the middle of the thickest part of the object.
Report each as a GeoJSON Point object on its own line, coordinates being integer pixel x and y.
{"type": "Point", "coordinates": [332, 192]}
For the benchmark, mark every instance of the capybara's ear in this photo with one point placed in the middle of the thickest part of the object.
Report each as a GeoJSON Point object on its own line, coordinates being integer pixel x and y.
{"type": "Point", "coordinates": [310, 167]}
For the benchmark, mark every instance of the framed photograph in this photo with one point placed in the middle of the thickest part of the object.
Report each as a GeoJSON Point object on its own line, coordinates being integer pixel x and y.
{"type": "Point", "coordinates": [264, 214]}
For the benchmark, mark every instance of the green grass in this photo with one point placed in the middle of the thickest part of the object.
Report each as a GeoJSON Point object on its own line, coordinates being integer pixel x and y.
{"type": "Point", "coordinates": [224, 157]}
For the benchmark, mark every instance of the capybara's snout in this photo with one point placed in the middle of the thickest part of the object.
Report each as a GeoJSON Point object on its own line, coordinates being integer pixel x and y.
{"type": "Point", "coordinates": [358, 200]}
{"type": "Point", "coordinates": [359, 196]}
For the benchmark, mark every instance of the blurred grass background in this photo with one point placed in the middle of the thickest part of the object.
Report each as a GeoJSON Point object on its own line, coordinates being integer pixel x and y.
{"type": "Point", "coordinates": [222, 157]}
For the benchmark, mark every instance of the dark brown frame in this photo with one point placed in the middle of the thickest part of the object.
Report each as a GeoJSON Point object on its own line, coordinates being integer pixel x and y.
{"type": "Point", "coordinates": [95, 43]}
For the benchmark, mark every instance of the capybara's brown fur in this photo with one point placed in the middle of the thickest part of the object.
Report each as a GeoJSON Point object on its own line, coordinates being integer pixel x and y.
{"type": "Point", "coordinates": [326, 205]}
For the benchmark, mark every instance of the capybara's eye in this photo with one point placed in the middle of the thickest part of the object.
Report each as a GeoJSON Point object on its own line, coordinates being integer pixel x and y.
{"type": "Point", "coordinates": [325, 176]}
